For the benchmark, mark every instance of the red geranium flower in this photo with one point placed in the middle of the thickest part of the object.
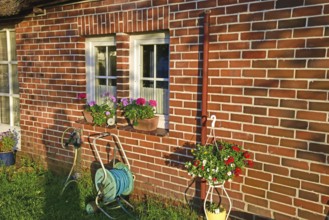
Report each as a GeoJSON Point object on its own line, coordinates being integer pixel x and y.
{"type": "Point", "coordinates": [229, 160]}
{"type": "Point", "coordinates": [196, 163]}
{"type": "Point", "coordinates": [246, 154]}
{"type": "Point", "coordinates": [250, 163]}
{"type": "Point", "coordinates": [235, 148]}
{"type": "Point", "coordinates": [237, 171]}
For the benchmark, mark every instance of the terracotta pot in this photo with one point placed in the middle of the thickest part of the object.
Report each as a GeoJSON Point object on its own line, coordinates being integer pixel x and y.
{"type": "Point", "coordinates": [216, 216]}
{"type": "Point", "coordinates": [147, 124]}
{"type": "Point", "coordinates": [87, 116]}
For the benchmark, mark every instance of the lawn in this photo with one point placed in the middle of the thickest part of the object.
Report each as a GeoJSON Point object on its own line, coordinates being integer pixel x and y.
{"type": "Point", "coordinates": [31, 192]}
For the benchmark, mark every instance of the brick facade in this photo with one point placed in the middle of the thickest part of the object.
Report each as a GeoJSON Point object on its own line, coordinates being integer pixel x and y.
{"type": "Point", "coordinates": [268, 87]}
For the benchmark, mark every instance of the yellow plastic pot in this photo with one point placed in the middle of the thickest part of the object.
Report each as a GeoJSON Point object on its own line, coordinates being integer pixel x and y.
{"type": "Point", "coordinates": [214, 216]}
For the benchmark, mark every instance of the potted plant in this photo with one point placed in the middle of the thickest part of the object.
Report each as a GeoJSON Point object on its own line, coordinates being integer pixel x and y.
{"type": "Point", "coordinates": [140, 113]}
{"type": "Point", "coordinates": [8, 144]}
{"type": "Point", "coordinates": [218, 162]}
{"type": "Point", "coordinates": [103, 113]}
{"type": "Point", "coordinates": [214, 211]}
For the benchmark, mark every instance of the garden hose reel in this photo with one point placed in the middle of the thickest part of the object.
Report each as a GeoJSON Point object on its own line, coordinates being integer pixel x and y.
{"type": "Point", "coordinates": [112, 184]}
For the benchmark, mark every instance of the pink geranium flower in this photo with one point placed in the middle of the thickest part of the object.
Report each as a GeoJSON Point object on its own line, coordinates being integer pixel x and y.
{"type": "Point", "coordinates": [153, 103]}
{"type": "Point", "coordinates": [140, 101]}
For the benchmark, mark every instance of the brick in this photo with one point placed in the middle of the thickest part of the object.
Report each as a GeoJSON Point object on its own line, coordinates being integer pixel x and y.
{"type": "Point", "coordinates": [257, 26]}
{"type": "Point", "coordinates": [253, 191]}
{"type": "Point", "coordinates": [286, 181]}
{"type": "Point", "coordinates": [320, 168]}
{"type": "Point", "coordinates": [311, 95]}
{"type": "Point", "coordinates": [310, 196]}
{"type": "Point", "coordinates": [283, 208]}
{"type": "Point", "coordinates": [292, 23]}
{"type": "Point", "coordinates": [309, 215]}
{"type": "Point", "coordinates": [306, 11]}
{"type": "Point", "coordinates": [296, 164]}
{"type": "Point", "coordinates": [282, 113]}
{"type": "Point", "coordinates": [314, 116]}
{"type": "Point", "coordinates": [294, 124]}
{"type": "Point", "coordinates": [280, 73]}
{"type": "Point", "coordinates": [293, 104]}
{"type": "Point", "coordinates": [266, 102]}
{"type": "Point", "coordinates": [316, 147]}
{"type": "Point", "coordinates": [308, 205]}
{"type": "Point", "coordinates": [317, 42]}
{"type": "Point", "coordinates": [317, 157]}
{"type": "Point", "coordinates": [319, 106]}
{"type": "Point", "coordinates": [313, 187]}
{"type": "Point", "coordinates": [281, 132]}
{"type": "Point", "coordinates": [305, 176]}
{"type": "Point", "coordinates": [318, 21]}
{"type": "Point", "coordinates": [279, 198]}
{"type": "Point", "coordinates": [281, 54]}
{"type": "Point", "coordinates": [266, 121]}
{"type": "Point", "coordinates": [268, 158]}
{"type": "Point", "coordinates": [288, 4]}
{"type": "Point", "coordinates": [322, 127]}
{"type": "Point", "coordinates": [296, 144]}
{"type": "Point", "coordinates": [282, 189]}
{"type": "Point", "coordinates": [319, 85]}
{"type": "Point", "coordinates": [277, 14]}
{"type": "Point", "coordinates": [256, 201]}
{"type": "Point", "coordinates": [310, 53]}
{"type": "Point", "coordinates": [308, 32]}
{"type": "Point", "coordinates": [254, 110]}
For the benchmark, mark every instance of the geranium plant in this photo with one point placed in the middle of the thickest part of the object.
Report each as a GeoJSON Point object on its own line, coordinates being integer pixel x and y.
{"type": "Point", "coordinates": [218, 162]}
{"type": "Point", "coordinates": [8, 140]}
{"type": "Point", "coordinates": [136, 109]}
{"type": "Point", "coordinates": [103, 111]}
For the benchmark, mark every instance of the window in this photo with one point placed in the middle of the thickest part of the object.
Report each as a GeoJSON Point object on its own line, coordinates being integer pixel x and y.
{"type": "Point", "coordinates": [149, 77]}
{"type": "Point", "coordinates": [101, 67]}
{"type": "Point", "coordinates": [9, 88]}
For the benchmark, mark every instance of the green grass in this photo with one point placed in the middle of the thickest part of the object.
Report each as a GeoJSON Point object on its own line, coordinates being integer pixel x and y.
{"type": "Point", "coordinates": [30, 192]}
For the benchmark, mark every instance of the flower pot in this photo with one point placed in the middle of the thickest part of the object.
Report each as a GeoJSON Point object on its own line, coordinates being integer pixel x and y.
{"type": "Point", "coordinates": [7, 158]}
{"type": "Point", "coordinates": [87, 116]}
{"type": "Point", "coordinates": [216, 216]}
{"type": "Point", "coordinates": [150, 124]}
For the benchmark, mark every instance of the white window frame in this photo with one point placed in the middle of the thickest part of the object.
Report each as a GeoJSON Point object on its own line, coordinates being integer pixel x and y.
{"type": "Point", "coordinates": [136, 41]}
{"type": "Point", "coordinates": [11, 95]}
{"type": "Point", "coordinates": [91, 43]}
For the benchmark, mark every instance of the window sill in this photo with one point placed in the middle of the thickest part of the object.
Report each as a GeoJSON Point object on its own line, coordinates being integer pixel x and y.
{"type": "Point", "coordinates": [160, 132]}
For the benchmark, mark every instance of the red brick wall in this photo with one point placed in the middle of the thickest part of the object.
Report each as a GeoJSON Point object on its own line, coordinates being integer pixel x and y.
{"type": "Point", "coordinates": [268, 87]}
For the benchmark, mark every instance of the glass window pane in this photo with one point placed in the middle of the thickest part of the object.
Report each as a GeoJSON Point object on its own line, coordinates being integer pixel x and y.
{"type": "Point", "coordinates": [100, 68]}
{"type": "Point", "coordinates": [4, 110]}
{"type": "Point", "coordinates": [14, 79]}
{"type": "Point", "coordinates": [112, 61]}
{"type": "Point", "coordinates": [162, 96]}
{"type": "Point", "coordinates": [13, 46]}
{"type": "Point", "coordinates": [3, 47]}
{"type": "Point", "coordinates": [148, 61]}
{"type": "Point", "coordinates": [162, 61]}
{"type": "Point", "coordinates": [4, 79]}
{"type": "Point", "coordinates": [16, 112]}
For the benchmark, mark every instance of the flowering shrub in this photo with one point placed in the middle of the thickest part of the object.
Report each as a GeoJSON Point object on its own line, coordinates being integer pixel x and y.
{"type": "Point", "coordinates": [135, 109]}
{"type": "Point", "coordinates": [218, 162]}
{"type": "Point", "coordinates": [101, 112]}
{"type": "Point", "coordinates": [8, 140]}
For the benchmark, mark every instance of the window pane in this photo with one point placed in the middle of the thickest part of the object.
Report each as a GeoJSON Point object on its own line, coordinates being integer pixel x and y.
{"type": "Point", "coordinates": [100, 61]}
{"type": "Point", "coordinates": [112, 62]}
{"type": "Point", "coordinates": [13, 46]}
{"type": "Point", "coordinates": [4, 110]}
{"type": "Point", "coordinates": [162, 61]}
{"type": "Point", "coordinates": [148, 61]}
{"type": "Point", "coordinates": [3, 47]}
{"type": "Point", "coordinates": [14, 79]}
{"type": "Point", "coordinates": [16, 112]}
{"type": "Point", "coordinates": [4, 80]}
{"type": "Point", "coordinates": [162, 95]}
